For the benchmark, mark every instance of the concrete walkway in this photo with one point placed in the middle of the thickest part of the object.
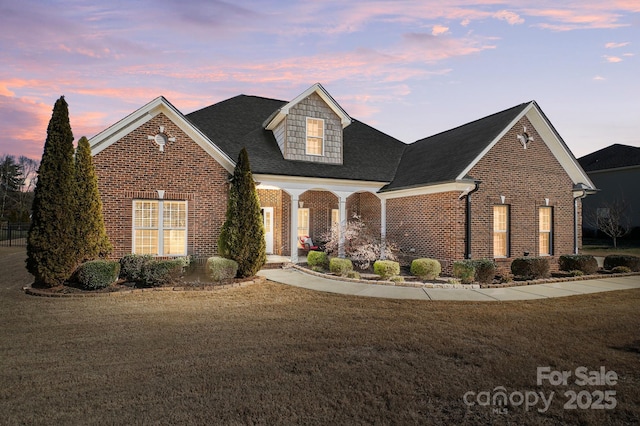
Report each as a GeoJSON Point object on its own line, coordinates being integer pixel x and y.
{"type": "Point", "coordinates": [297, 278]}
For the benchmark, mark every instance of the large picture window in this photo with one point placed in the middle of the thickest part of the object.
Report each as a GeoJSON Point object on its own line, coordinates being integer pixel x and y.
{"type": "Point", "coordinates": [545, 231]}
{"type": "Point", "coordinates": [160, 227]}
{"type": "Point", "coordinates": [315, 136]}
{"type": "Point", "coordinates": [501, 231]}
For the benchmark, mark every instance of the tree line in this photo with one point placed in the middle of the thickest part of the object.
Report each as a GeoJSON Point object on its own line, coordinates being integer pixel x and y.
{"type": "Point", "coordinates": [17, 180]}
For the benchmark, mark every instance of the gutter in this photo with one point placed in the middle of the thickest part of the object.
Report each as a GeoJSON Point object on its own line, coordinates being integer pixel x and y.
{"type": "Point", "coordinates": [467, 242]}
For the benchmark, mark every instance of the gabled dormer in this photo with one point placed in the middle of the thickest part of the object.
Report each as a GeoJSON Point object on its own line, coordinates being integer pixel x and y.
{"type": "Point", "coordinates": [309, 128]}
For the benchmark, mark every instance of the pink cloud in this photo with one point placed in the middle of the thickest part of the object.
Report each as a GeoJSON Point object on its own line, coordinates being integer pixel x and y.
{"type": "Point", "coordinates": [511, 17]}
{"type": "Point", "coordinates": [615, 45]}
{"type": "Point", "coordinates": [612, 59]}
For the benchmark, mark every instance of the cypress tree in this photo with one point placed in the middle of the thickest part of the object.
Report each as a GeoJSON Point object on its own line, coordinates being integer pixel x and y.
{"type": "Point", "coordinates": [242, 235]}
{"type": "Point", "coordinates": [51, 252]}
{"type": "Point", "coordinates": [91, 236]}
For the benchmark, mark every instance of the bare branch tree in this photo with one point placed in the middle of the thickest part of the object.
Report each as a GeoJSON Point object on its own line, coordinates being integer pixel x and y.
{"type": "Point", "coordinates": [612, 218]}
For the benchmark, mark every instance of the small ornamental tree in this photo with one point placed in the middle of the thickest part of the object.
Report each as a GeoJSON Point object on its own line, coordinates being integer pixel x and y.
{"type": "Point", "coordinates": [242, 235]}
{"type": "Point", "coordinates": [91, 236]}
{"type": "Point", "coordinates": [51, 251]}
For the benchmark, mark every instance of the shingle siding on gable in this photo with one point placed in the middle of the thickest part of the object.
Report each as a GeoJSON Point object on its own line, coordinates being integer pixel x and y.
{"type": "Point", "coordinates": [296, 124]}
{"type": "Point", "coordinates": [134, 168]}
{"type": "Point", "coordinates": [280, 134]}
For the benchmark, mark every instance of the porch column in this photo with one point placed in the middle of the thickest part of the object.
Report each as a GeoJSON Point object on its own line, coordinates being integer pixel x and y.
{"type": "Point", "coordinates": [383, 227]}
{"type": "Point", "coordinates": [293, 234]}
{"type": "Point", "coordinates": [343, 223]}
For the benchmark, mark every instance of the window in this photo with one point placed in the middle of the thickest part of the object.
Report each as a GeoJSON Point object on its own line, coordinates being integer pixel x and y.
{"type": "Point", "coordinates": [315, 136]}
{"type": "Point", "coordinates": [545, 238]}
{"type": "Point", "coordinates": [501, 231]}
{"type": "Point", "coordinates": [160, 234]}
{"type": "Point", "coordinates": [303, 223]}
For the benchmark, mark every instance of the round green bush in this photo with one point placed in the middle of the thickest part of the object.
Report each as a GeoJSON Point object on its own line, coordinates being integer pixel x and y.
{"type": "Point", "coordinates": [621, 270]}
{"type": "Point", "coordinates": [340, 266]}
{"type": "Point", "coordinates": [530, 267]}
{"type": "Point", "coordinates": [631, 262]}
{"type": "Point", "coordinates": [425, 268]}
{"type": "Point", "coordinates": [97, 274]}
{"type": "Point", "coordinates": [578, 262]}
{"type": "Point", "coordinates": [386, 268]}
{"type": "Point", "coordinates": [220, 268]}
{"type": "Point", "coordinates": [161, 272]}
{"type": "Point", "coordinates": [576, 273]}
{"type": "Point", "coordinates": [464, 271]}
{"type": "Point", "coordinates": [131, 266]}
{"type": "Point", "coordinates": [485, 270]}
{"type": "Point", "coordinates": [317, 258]}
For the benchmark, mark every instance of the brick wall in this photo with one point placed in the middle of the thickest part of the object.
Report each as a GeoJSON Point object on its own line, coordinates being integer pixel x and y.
{"type": "Point", "coordinates": [134, 168]}
{"type": "Point", "coordinates": [429, 225]}
{"type": "Point", "coordinates": [319, 204]}
{"type": "Point", "coordinates": [525, 178]}
{"type": "Point", "coordinates": [434, 225]}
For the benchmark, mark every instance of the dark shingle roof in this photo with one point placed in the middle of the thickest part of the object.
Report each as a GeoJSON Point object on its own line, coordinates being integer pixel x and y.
{"type": "Point", "coordinates": [443, 157]}
{"type": "Point", "coordinates": [611, 157]}
{"type": "Point", "coordinates": [238, 122]}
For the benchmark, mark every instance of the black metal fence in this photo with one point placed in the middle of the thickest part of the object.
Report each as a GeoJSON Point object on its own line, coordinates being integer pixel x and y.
{"type": "Point", "coordinates": [13, 234]}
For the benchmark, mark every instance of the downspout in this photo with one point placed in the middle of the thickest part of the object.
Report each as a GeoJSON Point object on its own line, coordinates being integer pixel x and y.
{"type": "Point", "coordinates": [467, 243]}
{"type": "Point", "coordinates": [584, 191]}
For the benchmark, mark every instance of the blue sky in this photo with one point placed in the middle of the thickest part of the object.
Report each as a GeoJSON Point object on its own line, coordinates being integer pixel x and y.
{"type": "Point", "coordinates": [408, 68]}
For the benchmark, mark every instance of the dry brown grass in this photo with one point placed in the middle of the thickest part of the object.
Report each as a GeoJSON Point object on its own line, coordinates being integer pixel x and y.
{"type": "Point", "coordinates": [271, 354]}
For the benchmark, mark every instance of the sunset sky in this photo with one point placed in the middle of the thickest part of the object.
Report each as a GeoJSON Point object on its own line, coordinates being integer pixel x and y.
{"type": "Point", "coordinates": [409, 68]}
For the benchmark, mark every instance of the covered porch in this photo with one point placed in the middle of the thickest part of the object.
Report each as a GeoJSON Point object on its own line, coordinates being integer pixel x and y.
{"type": "Point", "coordinates": [295, 207]}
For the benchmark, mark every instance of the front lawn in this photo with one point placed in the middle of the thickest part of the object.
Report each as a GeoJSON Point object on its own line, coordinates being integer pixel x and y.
{"type": "Point", "coordinates": [272, 354]}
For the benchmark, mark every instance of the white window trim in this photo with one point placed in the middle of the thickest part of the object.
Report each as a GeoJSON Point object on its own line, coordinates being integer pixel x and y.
{"type": "Point", "coordinates": [300, 234]}
{"type": "Point", "coordinates": [160, 227]}
{"type": "Point", "coordinates": [506, 231]}
{"type": "Point", "coordinates": [306, 139]}
{"type": "Point", "coordinates": [549, 232]}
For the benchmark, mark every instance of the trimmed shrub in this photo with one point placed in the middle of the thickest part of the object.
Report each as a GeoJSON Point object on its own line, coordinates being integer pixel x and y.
{"type": "Point", "coordinates": [578, 262]}
{"type": "Point", "coordinates": [220, 268]}
{"type": "Point", "coordinates": [576, 273]}
{"type": "Point", "coordinates": [530, 267]}
{"type": "Point", "coordinates": [621, 270]}
{"type": "Point", "coordinates": [485, 270]}
{"type": "Point", "coordinates": [353, 274]}
{"type": "Point", "coordinates": [317, 258]}
{"type": "Point", "coordinates": [397, 279]}
{"type": "Point", "coordinates": [97, 274]}
{"type": "Point", "coordinates": [464, 271]}
{"type": "Point", "coordinates": [131, 266]}
{"type": "Point", "coordinates": [631, 262]}
{"type": "Point", "coordinates": [426, 269]}
{"type": "Point", "coordinates": [156, 273]}
{"type": "Point", "coordinates": [340, 266]}
{"type": "Point", "coordinates": [317, 269]}
{"type": "Point", "coordinates": [386, 268]}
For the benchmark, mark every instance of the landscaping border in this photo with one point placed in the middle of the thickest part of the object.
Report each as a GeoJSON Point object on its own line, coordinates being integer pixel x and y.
{"type": "Point", "coordinates": [461, 286]}
{"type": "Point", "coordinates": [182, 288]}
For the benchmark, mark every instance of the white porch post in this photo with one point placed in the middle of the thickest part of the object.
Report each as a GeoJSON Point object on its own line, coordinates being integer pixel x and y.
{"type": "Point", "coordinates": [343, 223]}
{"type": "Point", "coordinates": [383, 227]}
{"type": "Point", "coordinates": [294, 225]}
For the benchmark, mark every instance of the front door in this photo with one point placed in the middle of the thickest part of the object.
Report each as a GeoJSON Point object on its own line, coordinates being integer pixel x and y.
{"type": "Point", "coordinates": [267, 218]}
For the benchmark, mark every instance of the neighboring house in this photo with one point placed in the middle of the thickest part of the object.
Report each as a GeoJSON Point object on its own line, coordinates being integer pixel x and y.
{"type": "Point", "coordinates": [500, 187]}
{"type": "Point", "coordinates": [615, 170]}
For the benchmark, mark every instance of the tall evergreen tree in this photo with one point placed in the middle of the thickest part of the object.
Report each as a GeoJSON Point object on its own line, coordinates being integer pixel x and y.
{"type": "Point", "coordinates": [51, 252]}
{"type": "Point", "coordinates": [242, 235]}
{"type": "Point", "coordinates": [91, 236]}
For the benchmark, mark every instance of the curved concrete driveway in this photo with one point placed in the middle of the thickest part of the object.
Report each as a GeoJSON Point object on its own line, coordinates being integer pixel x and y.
{"type": "Point", "coordinates": [297, 278]}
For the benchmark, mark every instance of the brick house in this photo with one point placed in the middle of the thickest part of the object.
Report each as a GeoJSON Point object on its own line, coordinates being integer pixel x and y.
{"type": "Point", "coordinates": [500, 187]}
